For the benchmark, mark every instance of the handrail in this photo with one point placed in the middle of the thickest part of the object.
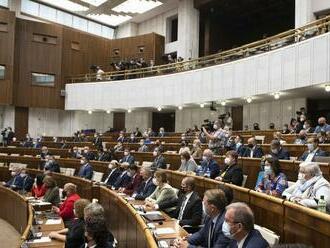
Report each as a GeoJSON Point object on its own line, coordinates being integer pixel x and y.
{"type": "Point", "coordinates": [29, 225]}
{"type": "Point", "coordinates": [318, 27]}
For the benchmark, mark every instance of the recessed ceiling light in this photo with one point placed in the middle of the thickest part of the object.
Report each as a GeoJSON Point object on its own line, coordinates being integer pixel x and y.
{"type": "Point", "coordinates": [90, 112]}
{"type": "Point", "coordinates": [180, 107]}
{"type": "Point", "coordinates": [129, 111]}
{"type": "Point", "coordinates": [223, 103]}
{"type": "Point", "coordinates": [327, 88]}
{"type": "Point", "coordinates": [108, 111]}
{"type": "Point", "coordinates": [136, 6]}
{"type": "Point", "coordinates": [277, 95]}
{"type": "Point", "coordinates": [249, 99]}
{"type": "Point", "coordinates": [202, 105]}
{"type": "Point", "coordinates": [159, 108]}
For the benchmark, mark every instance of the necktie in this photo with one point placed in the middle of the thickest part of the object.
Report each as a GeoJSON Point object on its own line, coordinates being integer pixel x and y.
{"type": "Point", "coordinates": [182, 208]}
{"type": "Point", "coordinates": [209, 243]}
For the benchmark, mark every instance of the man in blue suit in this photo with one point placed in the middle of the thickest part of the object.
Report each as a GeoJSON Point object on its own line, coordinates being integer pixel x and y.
{"type": "Point", "coordinates": [27, 181]}
{"type": "Point", "coordinates": [211, 235]}
{"type": "Point", "coordinates": [147, 187]}
{"type": "Point", "coordinates": [86, 169]}
{"type": "Point", "coordinates": [277, 151]}
{"type": "Point", "coordinates": [253, 150]}
{"type": "Point", "coordinates": [16, 182]}
{"type": "Point", "coordinates": [127, 157]}
{"type": "Point", "coordinates": [313, 151]}
{"type": "Point", "coordinates": [124, 179]}
{"type": "Point", "coordinates": [114, 173]}
{"type": "Point", "coordinates": [210, 167]}
{"type": "Point", "coordinates": [239, 227]}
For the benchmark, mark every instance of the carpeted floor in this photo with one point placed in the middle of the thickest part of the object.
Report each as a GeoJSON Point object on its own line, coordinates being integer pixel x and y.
{"type": "Point", "coordinates": [9, 237]}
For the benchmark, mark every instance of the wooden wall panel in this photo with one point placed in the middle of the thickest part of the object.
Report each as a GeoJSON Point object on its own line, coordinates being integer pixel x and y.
{"type": "Point", "coordinates": [7, 41]}
{"type": "Point", "coordinates": [21, 122]}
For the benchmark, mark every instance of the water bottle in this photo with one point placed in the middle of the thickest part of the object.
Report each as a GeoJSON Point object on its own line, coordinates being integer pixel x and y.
{"type": "Point", "coordinates": [322, 204]}
{"type": "Point", "coordinates": [199, 170]}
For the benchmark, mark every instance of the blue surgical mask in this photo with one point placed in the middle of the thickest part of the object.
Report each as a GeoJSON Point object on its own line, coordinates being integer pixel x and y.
{"type": "Point", "coordinates": [226, 230]}
{"type": "Point", "coordinates": [268, 170]}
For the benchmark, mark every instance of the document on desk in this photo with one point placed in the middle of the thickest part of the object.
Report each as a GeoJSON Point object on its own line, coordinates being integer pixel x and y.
{"type": "Point", "coordinates": [164, 230]}
{"type": "Point", "coordinates": [53, 222]}
{"type": "Point", "coordinates": [42, 240]}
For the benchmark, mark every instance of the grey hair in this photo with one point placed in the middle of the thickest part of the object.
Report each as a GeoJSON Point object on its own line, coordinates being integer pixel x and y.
{"type": "Point", "coordinates": [243, 214]}
{"type": "Point", "coordinates": [93, 210]}
{"type": "Point", "coordinates": [312, 168]}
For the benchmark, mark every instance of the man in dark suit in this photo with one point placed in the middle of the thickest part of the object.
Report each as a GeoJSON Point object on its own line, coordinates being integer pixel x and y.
{"type": "Point", "coordinates": [88, 154]}
{"type": "Point", "coordinates": [277, 151]}
{"type": "Point", "coordinates": [253, 150]}
{"type": "Point", "coordinates": [104, 155]}
{"type": "Point", "coordinates": [128, 158]}
{"type": "Point", "coordinates": [86, 169]}
{"type": "Point", "coordinates": [97, 141]}
{"type": "Point", "coordinates": [114, 173]}
{"type": "Point", "coordinates": [238, 145]}
{"type": "Point", "coordinates": [210, 167]}
{"type": "Point", "coordinates": [27, 181]}
{"type": "Point", "coordinates": [231, 172]}
{"type": "Point", "coordinates": [239, 227]}
{"type": "Point", "coordinates": [147, 186]}
{"type": "Point", "coordinates": [75, 152]}
{"type": "Point", "coordinates": [44, 152]}
{"type": "Point", "coordinates": [159, 161]}
{"type": "Point", "coordinates": [211, 234]}
{"type": "Point", "coordinates": [124, 179]}
{"type": "Point", "coordinates": [16, 182]}
{"type": "Point", "coordinates": [51, 165]}
{"type": "Point", "coordinates": [313, 151]}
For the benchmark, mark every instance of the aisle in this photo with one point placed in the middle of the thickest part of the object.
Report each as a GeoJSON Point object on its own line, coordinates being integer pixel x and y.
{"type": "Point", "coordinates": [9, 237]}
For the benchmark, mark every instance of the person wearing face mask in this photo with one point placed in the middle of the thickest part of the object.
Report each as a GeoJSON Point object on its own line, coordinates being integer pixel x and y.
{"type": "Point", "coordinates": [209, 167]}
{"type": "Point", "coordinates": [27, 181]}
{"type": "Point", "coordinates": [86, 169]}
{"type": "Point", "coordinates": [253, 150]}
{"type": "Point", "coordinates": [273, 182]}
{"type": "Point", "coordinates": [97, 141]}
{"type": "Point", "coordinates": [88, 154]}
{"type": "Point", "coordinates": [74, 153]}
{"type": "Point", "coordinates": [196, 151]}
{"type": "Point", "coordinates": [158, 145]}
{"type": "Point", "coordinates": [159, 161]}
{"type": "Point", "coordinates": [162, 194]}
{"type": "Point", "coordinates": [322, 137]}
{"type": "Point", "coordinates": [66, 208]}
{"type": "Point", "coordinates": [231, 172]}
{"type": "Point", "coordinates": [278, 136]}
{"type": "Point", "coordinates": [310, 186]}
{"type": "Point", "coordinates": [161, 132]}
{"type": "Point", "coordinates": [301, 123]}
{"type": "Point", "coordinates": [104, 155]}
{"type": "Point", "coordinates": [277, 151]}
{"type": "Point", "coordinates": [256, 126]}
{"type": "Point", "coordinates": [118, 147]}
{"type": "Point", "coordinates": [308, 127]}
{"type": "Point", "coordinates": [211, 234]}
{"type": "Point", "coordinates": [132, 139]}
{"type": "Point", "coordinates": [52, 194]}
{"type": "Point", "coordinates": [38, 189]}
{"type": "Point", "coordinates": [124, 178]}
{"type": "Point", "coordinates": [135, 182]}
{"type": "Point", "coordinates": [143, 147]}
{"type": "Point", "coordinates": [216, 139]}
{"type": "Point", "coordinates": [313, 151]}
{"type": "Point", "coordinates": [114, 173]}
{"type": "Point", "coordinates": [239, 227]}
{"type": "Point", "coordinates": [302, 138]}
{"type": "Point", "coordinates": [127, 157]}
{"type": "Point", "coordinates": [51, 165]}
{"type": "Point", "coordinates": [44, 152]}
{"type": "Point", "coordinates": [147, 186]}
{"type": "Point", "coordinates": [188, 164]}
{"type": "Point", "coordinates": [16, 181]}
{"type": "Point", "coordinates": [73, 236]}
{"type": "Point", "coordinates": [285, 129]}
{"type": "Point", "coordinates": [121, 137]}
{"type": "Point", "coordinates": [184, 147]}
{"type": "Point", "coordinates": [238, 145]}
{"type": "Point", "coordinates": [323, 126]}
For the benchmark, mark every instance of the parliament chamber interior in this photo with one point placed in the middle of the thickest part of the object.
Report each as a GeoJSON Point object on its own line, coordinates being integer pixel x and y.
{"type": "Point", "coordinates": [165, 123]}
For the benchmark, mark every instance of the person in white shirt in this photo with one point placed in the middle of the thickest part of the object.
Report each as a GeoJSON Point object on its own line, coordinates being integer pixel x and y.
{"type": "Point", "coordinates": [99, 73]}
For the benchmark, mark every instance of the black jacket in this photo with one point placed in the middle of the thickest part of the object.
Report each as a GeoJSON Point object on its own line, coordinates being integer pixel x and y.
{"type": "Point", "coordinates": [76, 234]}
{"type": "Point", "coordinates": [233, 174]}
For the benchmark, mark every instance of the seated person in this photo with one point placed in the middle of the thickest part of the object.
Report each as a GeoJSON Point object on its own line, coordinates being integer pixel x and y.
{"type": "Point", "coordinates": [137, 133]}
{"type": "Point", "coordinates": [51, 165]}
{"type": "Point", "coordinates": [323, 139]}
{"type": "Point", "coordinates": [184, 147]}
{"type": "Point", "coordinates": [27, 181]}
{"type": "Point", "coordinates": [209, 167]}
{"type": "Point", "coordinates": [310, 186]}
{"type": "Point", "coordinates": [132, 139]}
{"type": "Point", "coordinates": [16, 181]}
{"type": "Point", "coordinates": [188, 164]}
{"type": "Point", "coordinates": [308, 127]}
{"type": "Point", "coordinates": [147, 187]}
{"type": "Point", "coordinates": [127, 157]}
{"type": "Point", "coordinates": [38, 188]}
{"type": "Point", "coordinates": [119, 147]}
{"type": "Point", "coordinates": [323, 126]}
{"type": "Point", "coordinates": [121, 137]}
{"type": "Point", "coordinates": [253, 150]}
{"type": "Point", "coordinates": [285, 129]}
{"type": "Point", "coordinates": [124, 178]}
{"type": "Point", "coordinates": [313, 151]}
{"type": "Point", "coordinates": [75, 235]}
{"type": "Point", "coordinates": [66, 208]}
{"type": "Point", "coordinates": [52, 194]}
{"type": "Point", "coordinates": [161, 132]}
{"type": "Point", "coordinates": [88, 154]}
{"type": "Point", "coordinates": [273, 182]}
{"type": "Point", "coordinates": [44, 152]}
{"type": "Point", "coordinates": [104, 155]}
{"type": "Point", "coordinates": [143, 147]}
{"type": "Point", "coordinates": [74, 153]}
{"type": "Point", "coordinates": [135, 182]}
{"type": "Point", "coordinates": [86, 169]}
{"type": "Point", "coordinates": [159, 145]}
{"type": "Point", "coordinates": [196, 151]}
{"type": "Point", "coordinates": [278, 136]}
{"type": "Point", "coordinates": [159, 161]}
{"type": "Point", "coordinates": [114, 173]}
{"type": "Point", "coordinates": [231, 173]}
{"type": "Point", "coordinates": [239, 227]}
{"type": "Point", "coordinates": [163, 193]}
{"type": "Point", "coordinates": [214, 203]}
{"type": "Point", "coordinates": [97, 141]}
{"type": "Point", "coordinates": [238, 145]}
{"type": "Point", "coordinates": [277, 151]}
{"type": "Point", "coordinates": [302, 138]}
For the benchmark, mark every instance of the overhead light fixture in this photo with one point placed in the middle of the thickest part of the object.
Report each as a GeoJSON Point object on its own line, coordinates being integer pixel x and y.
{"type": "Point", "coordinates": [136, 6]}
{"type": "Point", "coordinates": [180, 107]}
{"type": "Point", "coordinates": [277, 95]}
{"type": "Point", "coordinates": [108, 111]}
{"type": "Point", "coordinates": [202, 105]}
{"type": "Point", "coordinates": [327, 88]}
{"type": "Point", "coordinates": [66, 4]}
{"type": "Point", "coordinates": [113, 20]}
{"type": "Point", "coordinates": [159, 108]}
{"type": "Point", "coordinates": [129, 111]}
{"type": "Point", "coordinates": [90, 112]}
{"type": "Point", "coordinates": [249, 99]}
{"type": "Point", "coordinates": [223, 103]}
{"type": "Point", "coordinates": [94, 2]}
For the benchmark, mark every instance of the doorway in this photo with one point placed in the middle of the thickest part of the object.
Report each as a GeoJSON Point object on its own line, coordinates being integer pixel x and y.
{"type": "Point", "coordinates": [165, 120]}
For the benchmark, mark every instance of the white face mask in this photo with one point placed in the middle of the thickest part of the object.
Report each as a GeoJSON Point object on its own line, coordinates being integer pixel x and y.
{"type": "Point", "coordinates": [141, 143]}
{"type": "Point", "coordinates": [268, 170]}
{"type": "Point", "coordinates": [154, 153]}
{"type": "Point", "coordinates": [13, 173]}
{"type": "Point", "coordinates": [215, 127]}
{"type": "Point", "coordinates": [85, 151]}
{"type": "Point", "coordinates": [310, 147]}
{"type": "Point", "coordinates": [301, 177]}
{"type": "Point", "coordinates": [155, 182]}
{"type": "Point", "coordinates": [110, 166]}
{"type": "Point", "coordinates": [204, 158]}
{"type": "Point", "coordinates": [183, 161]}
{"type": "Point", "coordinates": [125, 153]}
{"type": "Point", "coordinates": [226, 230]}
{"type": "Point", "coordinates": [82, 161]}
{"type": "Point", "coordinates": [274, 151]}
{"type": "Point", "coordinates": [194, 145]}
{"type": "Point", "coordinates": [227, 161]}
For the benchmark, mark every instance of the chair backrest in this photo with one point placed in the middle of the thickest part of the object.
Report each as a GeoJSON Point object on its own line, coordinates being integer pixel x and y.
{"type": "Point", "coordinates": [3, 154]}
{"type": "Point", "coordinates": [97, 176]}
{"type": "Point", "coordinates": [260, 138]}
{"type": "Point", "coordinates": [293, 158]}
{"type": "Point", "coordinates": [244, 180]}
{"type": "Point", "coordinates": [271, 237]}
{"type": "Point", "coordinates": [57, 156]}
{"type": "Point", "coordinates": [62, 170]}
{"type": "Point", "coordinates": [14, 154]}
{"type": "Point", "coordinates": [70, 171]}
{"type": "Point", "coordinates": [146, 164]}
{"type": "Point", "coordinates": [17, 165]}
{"type": "Point", "coordinates": [2, 164]}
{"type": "Point", "coordinates": [27, 156]}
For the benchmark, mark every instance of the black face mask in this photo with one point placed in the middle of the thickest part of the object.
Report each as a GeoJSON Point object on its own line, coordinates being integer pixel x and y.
{"type": "Point", "coordinates": [63, 194]}
{"type": "Point", "coordinates": [321, 124]}
{"type": "Point", "coordinates": [250, 145]}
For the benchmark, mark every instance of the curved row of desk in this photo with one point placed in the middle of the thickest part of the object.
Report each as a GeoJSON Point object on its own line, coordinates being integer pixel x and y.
{"type": "Point", "coordinates": [292, 222]}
